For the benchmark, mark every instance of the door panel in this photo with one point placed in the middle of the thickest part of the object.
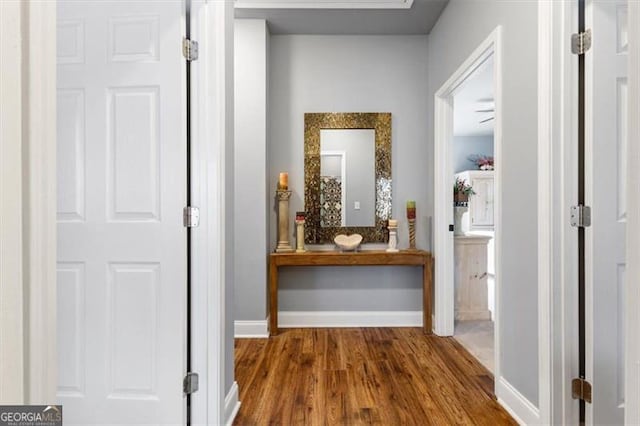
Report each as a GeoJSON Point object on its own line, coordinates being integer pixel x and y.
{"type": "Point", "coordinates": [121, 190]}
{"type": "Point", "coordinates": [606, 173]}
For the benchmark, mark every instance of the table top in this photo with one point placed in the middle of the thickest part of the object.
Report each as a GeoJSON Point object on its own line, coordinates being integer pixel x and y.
{"type": "Point", "coordinates": [352, 258]}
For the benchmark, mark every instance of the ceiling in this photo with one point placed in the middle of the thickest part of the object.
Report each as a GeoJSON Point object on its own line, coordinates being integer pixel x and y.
{"type": "Point", "coordinates": [476, 94]}
{"type": "Point", "coordinates": [419, 19]}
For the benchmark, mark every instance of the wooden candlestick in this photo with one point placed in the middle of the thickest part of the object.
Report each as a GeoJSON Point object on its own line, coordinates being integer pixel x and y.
{"type": "Point", "coordinates": [284, 246]}
{"type": "Point", "coordinates": [412, 234]}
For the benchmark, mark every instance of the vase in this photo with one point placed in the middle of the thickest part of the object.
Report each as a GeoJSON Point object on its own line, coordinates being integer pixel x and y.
{"type": "Point", "coordinates": [458, 211]}
{"type": "Point", "coordinates": [459, 197]}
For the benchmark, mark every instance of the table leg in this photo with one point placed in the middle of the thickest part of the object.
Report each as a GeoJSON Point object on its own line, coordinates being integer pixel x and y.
{"type": "Point", "coordinates": [426, 294]}
{"type": "Point", "coordinates": [273, 298]}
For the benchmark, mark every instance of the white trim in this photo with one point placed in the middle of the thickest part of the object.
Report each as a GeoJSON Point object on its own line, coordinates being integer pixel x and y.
{"type": "Point", "coordinates": [39, 205]}
{"type": "Point", "coordinates": [251, 329]}
{"type": "Point", "coordinates": [320, 319]}
{"type": "Point", "coordinates": [212, 132]}
{"type": "Point", "coordinates": [36, 246]}
{"type": "Point", "coordinates": [231, 405]}
{"type": "Point", "coordinates": [632, 324]}
{"type": "Point", "coordinates": [324, 4]}
{"type": "Point", "coordinates": [557, 240]}
{"type": "Point", "coordinates": [520, 408]}
{"type": "Point", "coordinates": [11, 277]}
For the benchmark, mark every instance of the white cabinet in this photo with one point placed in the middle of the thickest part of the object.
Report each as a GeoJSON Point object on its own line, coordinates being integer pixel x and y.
{"type": "Point", "coordinates": [480, 215]}
{"type": "Point", "coordinates": [471, 278]}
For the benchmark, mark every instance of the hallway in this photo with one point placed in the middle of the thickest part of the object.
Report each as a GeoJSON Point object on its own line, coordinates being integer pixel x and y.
{"type": "Point", "coordinates": [384, 376]}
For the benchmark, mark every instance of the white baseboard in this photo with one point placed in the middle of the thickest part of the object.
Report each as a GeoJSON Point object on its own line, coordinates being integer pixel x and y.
{"type": "Point", "coordinates": [520, 408]}
{"type": "Point", "coordinates": [231, 405]}
{"type": "Point", "coordinates": [251, 329]}
{"type": "Point", "coordinates": [291, 319]}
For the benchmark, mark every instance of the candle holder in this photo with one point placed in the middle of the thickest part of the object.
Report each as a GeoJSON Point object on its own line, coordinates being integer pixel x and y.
{"type": "Point", "coordinates": [300, 220]}
{"type": "Point", "coordinates": [284, 246]}
{"type": "Point", "coordinates": [411, 218]}
{"type": "Point", "coordinates": [393, 237]}
{"type": "Point", "coordinates": [412, 234]}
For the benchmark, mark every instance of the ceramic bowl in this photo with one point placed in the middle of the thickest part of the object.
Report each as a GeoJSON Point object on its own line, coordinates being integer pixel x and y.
{"type": "Point", "coordinates": [348, 242]}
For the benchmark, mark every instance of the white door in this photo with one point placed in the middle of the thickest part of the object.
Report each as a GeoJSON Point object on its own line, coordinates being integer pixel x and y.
{"type": "Point", "coordinates": [121, 191]}
{"type": "Point", "coordinates": [606, 173]}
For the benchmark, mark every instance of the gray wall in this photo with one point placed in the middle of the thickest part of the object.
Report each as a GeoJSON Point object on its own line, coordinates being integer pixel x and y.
{"type": "Point", "coordinates": [452, 40]}
{"type": "Point", "coordinates": [359, 148]}
{"type": "Point", "coordinates": [464, 146]}
{"type": "Point", "coordinates": [250, 195]}
{"type": "Point", "coordinates": [352, 74]}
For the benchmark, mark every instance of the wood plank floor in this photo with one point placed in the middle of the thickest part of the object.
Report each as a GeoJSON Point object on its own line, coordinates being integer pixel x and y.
{"type": "Point", "coordinates": [354, 376]}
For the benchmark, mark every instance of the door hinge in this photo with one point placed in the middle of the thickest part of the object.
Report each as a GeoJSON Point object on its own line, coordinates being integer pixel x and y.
{"type": "Point", "coordinates": [190, 217]}
{"type": "Point", "coordinates": [189, 49]}
{"type": "Point", "coordinates": [581, 389]}
{"type": "Point", "coordinates": [580, 216]}
{"type": "Point", "coordinates": [581, 42]}
{"type": "Point", "coordinates": [190, 383]}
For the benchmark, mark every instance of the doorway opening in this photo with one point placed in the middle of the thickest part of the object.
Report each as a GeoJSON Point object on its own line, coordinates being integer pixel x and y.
{"type": "Point", "coordinates": [474, 227]}
{"type": "Point", "coordinates": [467, 231]}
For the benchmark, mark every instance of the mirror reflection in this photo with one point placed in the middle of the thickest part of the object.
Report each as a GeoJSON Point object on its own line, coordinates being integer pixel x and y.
{"type": "Point", "coordinates": [347, 177]}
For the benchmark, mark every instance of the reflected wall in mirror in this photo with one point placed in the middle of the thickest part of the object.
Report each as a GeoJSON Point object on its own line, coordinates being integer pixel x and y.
{"type": "Point", "coordinates": [347, 175]}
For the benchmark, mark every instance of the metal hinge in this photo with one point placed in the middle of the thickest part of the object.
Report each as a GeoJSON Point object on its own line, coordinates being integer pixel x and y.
{"type": "Point", "coordinates": [190, 383]}
{"type": "Point", "coordinates": [581, 42]}
{"type": "Point", "coordinates": [189, 49]}
{"type": "Point", "coordinates": [581, 389]}
{"type": "Point", "coordinates": [191, 217]}
{"type": "Point", "coordinates": [580, 216]}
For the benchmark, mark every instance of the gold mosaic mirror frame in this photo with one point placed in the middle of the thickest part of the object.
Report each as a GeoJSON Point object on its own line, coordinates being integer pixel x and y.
{"type": "Point", "coordinates": [313, 122]}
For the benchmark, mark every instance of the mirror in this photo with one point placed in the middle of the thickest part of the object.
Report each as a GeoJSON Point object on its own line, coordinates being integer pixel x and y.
{"type": "Point", "coordinates": [347, 175]}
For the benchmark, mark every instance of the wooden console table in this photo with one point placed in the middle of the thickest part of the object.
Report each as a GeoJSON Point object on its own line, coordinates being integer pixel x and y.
{"type": "Point", "coordinates": [362, 258]}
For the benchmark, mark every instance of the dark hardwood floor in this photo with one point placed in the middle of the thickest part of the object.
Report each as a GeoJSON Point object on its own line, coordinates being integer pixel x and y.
{"type": "Point", "coordinates": [353, 376]}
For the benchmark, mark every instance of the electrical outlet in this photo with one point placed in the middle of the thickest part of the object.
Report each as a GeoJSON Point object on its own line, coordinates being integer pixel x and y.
{"type": "Point", "coordinates": [356, 205]}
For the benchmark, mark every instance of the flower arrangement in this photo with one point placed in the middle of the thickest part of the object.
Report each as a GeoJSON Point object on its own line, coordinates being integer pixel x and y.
{"type": "Point", "coordinates": [461, 191]}
{"type": "Point", "coordinates": [483, 162]}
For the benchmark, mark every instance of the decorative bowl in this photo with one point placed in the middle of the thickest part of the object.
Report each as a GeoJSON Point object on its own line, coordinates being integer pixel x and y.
{"type": "Point", "coordinates": [348, 242]}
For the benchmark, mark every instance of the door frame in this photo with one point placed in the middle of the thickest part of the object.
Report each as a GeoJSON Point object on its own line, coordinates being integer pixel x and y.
{"type": "Point", "coordinates": [632, 335]}
{"type": "Point", "coordinates": [211, 144]}
{"type": "Point", "coordinates": [443, 195]}
{"type": "Point", "coordinates": [557, 242]}
{"type": "Point", "coordinates": [211, 188]}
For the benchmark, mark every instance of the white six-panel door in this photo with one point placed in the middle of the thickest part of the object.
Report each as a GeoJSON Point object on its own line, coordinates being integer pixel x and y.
{"type": "Point", "coordinates": [606, 192]}
{"type": "Point", "coordinates": [121, 190]}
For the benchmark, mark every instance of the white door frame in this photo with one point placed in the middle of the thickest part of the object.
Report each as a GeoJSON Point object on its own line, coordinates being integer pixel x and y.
{"type": "Point", "coordinates": [444, 178]}
{"type": "Point", "coordinates": [212, 141]}
{"type": "Point", "coordinates": [213, 138]}
{"type": "Point", "coordinates": [632, 336]}
{"type": "Point", "coordinates": [557, 242]}
{"type": "Point", "coordinates": [343, 178]}
{"type": "Point", "coordinates": [28, 328]}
